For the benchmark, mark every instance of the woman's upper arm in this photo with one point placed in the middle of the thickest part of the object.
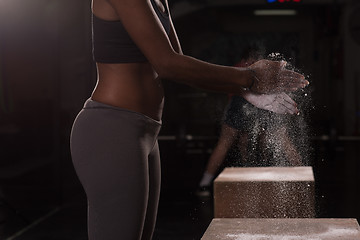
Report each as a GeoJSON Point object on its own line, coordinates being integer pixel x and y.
{"type": "Point", "coordinates": [145, 29]}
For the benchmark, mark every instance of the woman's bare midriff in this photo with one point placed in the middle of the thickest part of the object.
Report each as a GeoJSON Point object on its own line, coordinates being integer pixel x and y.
{"type": "Point", "coordinates": [132, 86]}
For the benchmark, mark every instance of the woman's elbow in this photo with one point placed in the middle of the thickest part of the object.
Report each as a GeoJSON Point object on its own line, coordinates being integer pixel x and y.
{"type": "Point", "coordinates": [166, 66]}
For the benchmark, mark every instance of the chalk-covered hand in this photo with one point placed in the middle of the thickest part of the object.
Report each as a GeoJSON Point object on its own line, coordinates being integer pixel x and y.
{"type": "Point", "coordinates": [278, 102]}
{"type": "Point", "coordinates": [272, 77]}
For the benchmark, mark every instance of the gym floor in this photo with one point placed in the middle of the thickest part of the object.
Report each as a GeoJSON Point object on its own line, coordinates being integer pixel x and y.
{"type": "Point", "coordinates": [181, 216]}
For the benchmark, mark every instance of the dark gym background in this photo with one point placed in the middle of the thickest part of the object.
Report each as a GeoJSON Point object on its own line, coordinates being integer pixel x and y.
{"type": "Point", "coordinates": [47, 72]}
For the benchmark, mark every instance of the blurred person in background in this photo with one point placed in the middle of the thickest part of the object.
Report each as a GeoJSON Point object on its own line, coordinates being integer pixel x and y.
{"type": "Point", "coordinates": [246, 127]}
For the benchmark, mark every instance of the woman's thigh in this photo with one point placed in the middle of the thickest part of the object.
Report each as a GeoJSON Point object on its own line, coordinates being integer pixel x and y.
{"type": "Point", "coordinates": [112, 165]}
{"type": "Point", "coordinates": [154, 193]}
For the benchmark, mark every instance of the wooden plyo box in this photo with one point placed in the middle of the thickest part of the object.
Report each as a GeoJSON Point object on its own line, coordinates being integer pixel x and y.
{"type": "Point", "coordinates": [265, 192]}
{"type": "Point", "coordinates": [282, 229]}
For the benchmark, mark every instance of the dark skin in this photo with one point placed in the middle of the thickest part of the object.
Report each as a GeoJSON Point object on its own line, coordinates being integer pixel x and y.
{"type": "Point", "coordinates": [137, 86]}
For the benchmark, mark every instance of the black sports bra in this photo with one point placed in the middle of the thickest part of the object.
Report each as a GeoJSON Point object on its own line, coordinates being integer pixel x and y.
{"type": "Point", "coordinates": [112, 44]}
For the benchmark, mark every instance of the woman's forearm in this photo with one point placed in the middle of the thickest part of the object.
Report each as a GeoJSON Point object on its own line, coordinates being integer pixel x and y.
{"type": "Point", "coordinates": [196, 73]}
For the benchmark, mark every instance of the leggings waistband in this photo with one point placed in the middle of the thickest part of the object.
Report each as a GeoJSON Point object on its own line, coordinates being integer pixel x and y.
{"type": "Point", "coordinates": [92, 104]}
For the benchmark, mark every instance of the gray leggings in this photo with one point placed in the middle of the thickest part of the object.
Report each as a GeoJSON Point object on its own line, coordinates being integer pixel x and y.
{"type": "Point", "coordinates": [116, 157]}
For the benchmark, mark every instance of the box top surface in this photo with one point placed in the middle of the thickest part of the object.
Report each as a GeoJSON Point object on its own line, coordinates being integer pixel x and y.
{"type": "Point", "coordinates": [281, 229]}
{"type": "Point", "coordinates": [266, 174]}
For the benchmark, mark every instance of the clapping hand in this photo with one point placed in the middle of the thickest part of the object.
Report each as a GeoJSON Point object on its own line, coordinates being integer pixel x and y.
{"type": "Point", "coordinates": [278, 102]}
{"type": "Point", "coordinates": [272, 77]}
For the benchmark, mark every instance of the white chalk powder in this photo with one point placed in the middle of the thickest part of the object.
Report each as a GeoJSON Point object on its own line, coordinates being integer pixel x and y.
{"type": "Point", "coordinates": [330, 234]}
